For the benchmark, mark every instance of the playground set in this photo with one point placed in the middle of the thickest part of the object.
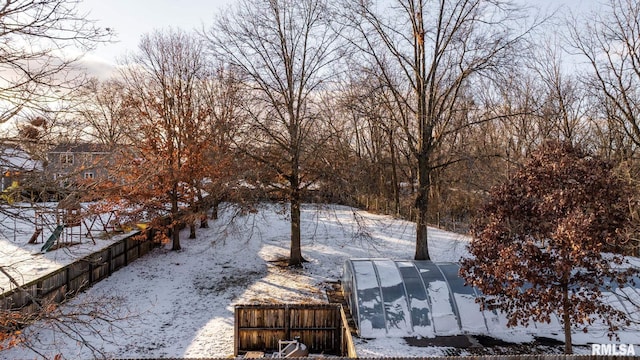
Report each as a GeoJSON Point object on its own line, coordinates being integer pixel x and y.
{"type": "Point", "coordinates": [70, 223]}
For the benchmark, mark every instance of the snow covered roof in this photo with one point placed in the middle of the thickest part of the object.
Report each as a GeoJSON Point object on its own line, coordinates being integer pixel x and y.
{"type": "Point", "coordinates": [17, 160]}
{"type": "Point", "coordinates": [80, 148]}
{"type": "Point", "coordinates": [391, 298]}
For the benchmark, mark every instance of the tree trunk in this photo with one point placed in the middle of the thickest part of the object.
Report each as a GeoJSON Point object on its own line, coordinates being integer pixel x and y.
{"type": "Point", "coordinates": [295, 256]}
{"type": "Point", "coordinates": [422, 248]}
{"type": "Point", "coordinates": [566, 305]}
{"type": "Point", "coordinates": [295, 252]}
{"type": "Point", "coordinates": [394, 175]}
{"type": "Point", "coordinates": [175, 232]}
{"type": "Point", "coordinates": [175, 236]}
{"type": "Point", "coordinates": [202, 209]}
{"type": "Point", "coordinates": [204, 222]}
{"type": "Point", "coordinates": [214, 210]}
{"type": "Point", "coordinates": [422, 207]}
{"type": "Point", "coordinates": [425, 115]}
{"type": "Point", "coordinates": [192, 230]}
{"type": "Point", "coordinates": [192, 221]}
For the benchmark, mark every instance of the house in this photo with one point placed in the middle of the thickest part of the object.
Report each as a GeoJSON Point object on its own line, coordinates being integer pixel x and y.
{"type": "Point", "coordinates": [70, 164]}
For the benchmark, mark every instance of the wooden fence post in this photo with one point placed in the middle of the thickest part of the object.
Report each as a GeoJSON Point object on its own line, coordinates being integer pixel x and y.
{"type": "Point", "coordinates": [110, 261]}
{"type": "Point", "coordinates": [39, 289]}
{"type": "Point", "coordinates": [90, 272]}
{"type": "Point", "coordinates": [126, 252]}
{"type": "Point", "coordinates": [68, 276]}
{"type": "Point", "coordinates": [236, 331]}
{"type": "Point", "coordinates": [287, 323]}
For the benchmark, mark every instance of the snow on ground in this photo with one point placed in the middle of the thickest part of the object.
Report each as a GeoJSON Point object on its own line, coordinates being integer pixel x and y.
{"type": "Point", "coordinates": [180, 304]}
{"type": "Point", "coordinates": [24, 261]}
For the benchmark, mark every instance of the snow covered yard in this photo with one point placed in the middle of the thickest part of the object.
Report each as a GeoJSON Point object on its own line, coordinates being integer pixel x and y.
{"type": "Point", "coordinates": [24, 261]}
{"type": "Point", "coordinates": [180, 304]}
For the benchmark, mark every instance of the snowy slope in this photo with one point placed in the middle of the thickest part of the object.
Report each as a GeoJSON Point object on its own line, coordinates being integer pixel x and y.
{"type": "Point", "coordinates": [180, 304]}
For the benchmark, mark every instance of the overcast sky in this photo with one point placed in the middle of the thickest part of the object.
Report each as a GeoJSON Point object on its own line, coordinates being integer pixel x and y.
{"type": "Point", "coordinates": [131, 19]}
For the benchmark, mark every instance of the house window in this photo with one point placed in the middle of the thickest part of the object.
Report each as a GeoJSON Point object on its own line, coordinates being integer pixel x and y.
{"type": "Point", "coordinates": [89, 175]}
{"type": "Point", "coordinates": [66, 159]}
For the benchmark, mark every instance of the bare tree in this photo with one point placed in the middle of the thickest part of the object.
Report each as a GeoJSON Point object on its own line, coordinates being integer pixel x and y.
{"type": "Point", "coordinates": [103, 112]}
{"type": "Point", "coordinates": [35, 70]}
{"type": "Point", "coordinates": [564, 102]}
{"type": "Point", "coordinates": [374, 118]}
{"type": "Point", "coordinates": [429, 53]}
{"type": "Point", "coordinates": [225, 95]}
{"type": "Point", "coordinates": [283, 50]}
{"type": "Point", "coordinates": [546, 102]}
{"type": "Point", "coordinates": [609, 42]}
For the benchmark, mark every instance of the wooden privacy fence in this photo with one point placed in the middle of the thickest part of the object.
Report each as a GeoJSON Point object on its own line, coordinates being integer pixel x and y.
{"type": "Point", "coordinates": [66, 281]}
{"type": "Point", "coordinates": [322, 328]}
{"type": "Point", "coordinates": [509, 357]}
{"type": "Point", "coordinates": [477, 357]}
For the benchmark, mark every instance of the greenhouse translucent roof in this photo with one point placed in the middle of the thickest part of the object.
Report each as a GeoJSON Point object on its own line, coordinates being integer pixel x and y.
{"type": "Point", "coordinates": [391, 298]}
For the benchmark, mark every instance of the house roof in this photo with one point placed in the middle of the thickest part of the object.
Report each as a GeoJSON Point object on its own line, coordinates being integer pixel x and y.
{"type": "Point", "coordinates": [80, 148]}
{"type": "Point", "coordinates": [16, 159]}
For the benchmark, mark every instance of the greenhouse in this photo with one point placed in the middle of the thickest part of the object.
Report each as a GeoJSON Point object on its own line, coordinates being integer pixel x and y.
{"type": "Point", "coordinates": [391, 298]}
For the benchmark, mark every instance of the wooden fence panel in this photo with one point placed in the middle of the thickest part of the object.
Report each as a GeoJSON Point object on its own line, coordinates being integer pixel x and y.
{"type": "Point", "coordinates": [118, 261]}
{"type": "Point", "coordinates": [56, 295]}
{"type": "Point", "coordinates": [132, 254]}
{"type": "Point", "coordinates": [52, 282]}
{"type": "Point", "coordinates": [261, 339]}
{"type": "Point", "coordinates": [77, 269]}
{"type": "Point", "coordinates": [99, 271]}
{"type": "Point", "coordinates": [270, 317]}
{"type": "Point", "coordinates": [79, 282]}
{"type": "Point", "coordinates": [319, 326]}
{"type": "Point", "coordinates": [57, 286]}
{"type": "Point", "coordinates": [19, 299]}
{"type": "Point", "coordinates": [145, 247]}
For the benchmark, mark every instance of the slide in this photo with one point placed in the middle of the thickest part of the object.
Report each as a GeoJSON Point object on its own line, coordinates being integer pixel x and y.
{"type": "Point", "coordinates": [52, 239]}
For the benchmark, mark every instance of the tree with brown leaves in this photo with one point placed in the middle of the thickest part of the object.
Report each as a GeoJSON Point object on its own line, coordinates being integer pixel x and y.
{"type": "Point", "coordinates": [158, 172]}
{"type": "Point", "coordinates": [538, 245]}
